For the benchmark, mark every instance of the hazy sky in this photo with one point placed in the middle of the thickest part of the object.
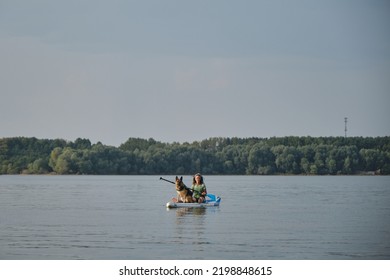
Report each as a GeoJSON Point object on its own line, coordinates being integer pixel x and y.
{"type": "Point", "coordinates": [178, 70]}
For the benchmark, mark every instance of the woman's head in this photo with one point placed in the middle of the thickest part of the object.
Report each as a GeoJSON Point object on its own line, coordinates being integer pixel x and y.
{"type": "Point", "coordinates": [197, 179]}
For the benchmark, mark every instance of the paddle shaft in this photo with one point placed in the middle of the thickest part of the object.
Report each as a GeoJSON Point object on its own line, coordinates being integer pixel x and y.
{"type": "Point", "coordinates": [209, 195]}
{"type": "Point", "coordinates": [161, 178]}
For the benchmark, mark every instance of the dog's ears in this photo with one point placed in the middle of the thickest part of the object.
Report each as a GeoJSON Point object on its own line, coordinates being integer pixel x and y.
{"type": "Point", "coordinates": [181, 178]}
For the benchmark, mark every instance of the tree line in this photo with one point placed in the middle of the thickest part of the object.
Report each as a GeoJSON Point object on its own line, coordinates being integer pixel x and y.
{"type": "Point", "coordinates": [222, 156]}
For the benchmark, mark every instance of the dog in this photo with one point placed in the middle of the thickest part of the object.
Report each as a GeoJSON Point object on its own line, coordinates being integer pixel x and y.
{"type": "Point", "coordinates": [184, 194]}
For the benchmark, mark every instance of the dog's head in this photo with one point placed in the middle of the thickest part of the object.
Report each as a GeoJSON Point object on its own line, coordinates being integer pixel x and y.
{"type": "Point", "coordinates": [179, 183]}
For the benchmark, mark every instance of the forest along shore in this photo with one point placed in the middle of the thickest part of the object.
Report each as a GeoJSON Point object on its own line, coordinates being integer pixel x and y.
{"type": "Point", "coordinates": [214, 156]}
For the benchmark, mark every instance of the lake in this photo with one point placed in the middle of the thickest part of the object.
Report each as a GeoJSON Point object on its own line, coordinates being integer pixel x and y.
{"type": "Point", "coordinates": [260, 217]}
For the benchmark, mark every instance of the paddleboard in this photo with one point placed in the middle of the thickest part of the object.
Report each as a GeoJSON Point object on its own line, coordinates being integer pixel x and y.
{"type": "Point", "coordinates": [208, 203]}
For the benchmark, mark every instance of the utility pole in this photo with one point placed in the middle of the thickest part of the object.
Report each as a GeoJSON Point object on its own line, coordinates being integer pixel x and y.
{"type": "Point", "coordinates": [345, 129]}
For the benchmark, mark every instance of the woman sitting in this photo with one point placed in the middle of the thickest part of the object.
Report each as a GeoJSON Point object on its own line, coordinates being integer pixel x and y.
{"type": "Point", "coordinates": [199, 188]}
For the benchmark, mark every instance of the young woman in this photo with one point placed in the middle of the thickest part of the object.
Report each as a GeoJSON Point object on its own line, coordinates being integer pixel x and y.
{"type": "Point", "coordinates": [199, 188]}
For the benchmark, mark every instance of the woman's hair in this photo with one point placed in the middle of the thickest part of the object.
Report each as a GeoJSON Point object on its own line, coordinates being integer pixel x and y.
{"type": "Point", "coordinates": [201, 178]}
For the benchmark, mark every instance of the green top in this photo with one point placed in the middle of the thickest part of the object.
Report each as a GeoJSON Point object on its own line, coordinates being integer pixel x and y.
{"type": "Point", "coordinates": [198, 189]}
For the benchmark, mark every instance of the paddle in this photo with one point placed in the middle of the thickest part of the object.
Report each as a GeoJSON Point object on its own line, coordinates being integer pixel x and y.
{"type": "Point", "coordinates": [209, 195]}
{"type": "Point", "coordinates": [161, 178]}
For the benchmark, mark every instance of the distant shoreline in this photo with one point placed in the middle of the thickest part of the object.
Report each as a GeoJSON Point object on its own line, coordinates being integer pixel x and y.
{"type": "Point", "coordinates": [278, 156]}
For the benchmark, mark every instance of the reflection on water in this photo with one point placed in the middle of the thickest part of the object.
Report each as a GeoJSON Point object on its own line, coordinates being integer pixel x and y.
{"type": "Point", "coordinates": [188, 211]}
{"type": "Point", "coordinates": [190, 227]}
{"type": "Point", "coordinates": [192, 230]}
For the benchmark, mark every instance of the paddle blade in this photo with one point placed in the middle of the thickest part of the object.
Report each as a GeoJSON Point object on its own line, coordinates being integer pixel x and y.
{"type": "Point", "coordinates": [211, 196]}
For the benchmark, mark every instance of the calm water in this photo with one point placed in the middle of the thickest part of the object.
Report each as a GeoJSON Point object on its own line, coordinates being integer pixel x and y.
{"type": "Point", "coordinates": [260, 217]}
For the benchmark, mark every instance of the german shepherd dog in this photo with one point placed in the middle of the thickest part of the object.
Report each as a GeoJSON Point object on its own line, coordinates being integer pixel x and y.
{"type": "Point", "coordinates": [184, 194]}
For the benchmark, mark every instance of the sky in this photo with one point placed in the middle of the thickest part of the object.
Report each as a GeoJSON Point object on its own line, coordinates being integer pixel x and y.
{"type": "Point", "coordinates": [184, 71]}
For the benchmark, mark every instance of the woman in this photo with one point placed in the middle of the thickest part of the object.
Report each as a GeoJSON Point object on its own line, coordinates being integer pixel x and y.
{"type": "Point", "coordinates": [199, 188]}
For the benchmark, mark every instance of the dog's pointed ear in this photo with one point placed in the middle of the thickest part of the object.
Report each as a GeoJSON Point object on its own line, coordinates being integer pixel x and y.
{"type": "Point", "coordinates": [176, 178]}
{"type": "Point", "coordinates": [181, 178]}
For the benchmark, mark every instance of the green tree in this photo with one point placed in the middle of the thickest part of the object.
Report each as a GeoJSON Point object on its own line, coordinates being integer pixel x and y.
{"type": "Point", "coordinates": [372, 159]}
{"type": "Point", "coordinates": [261, 160]}
{"type": "Point", "coordinates": [39, 166]}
